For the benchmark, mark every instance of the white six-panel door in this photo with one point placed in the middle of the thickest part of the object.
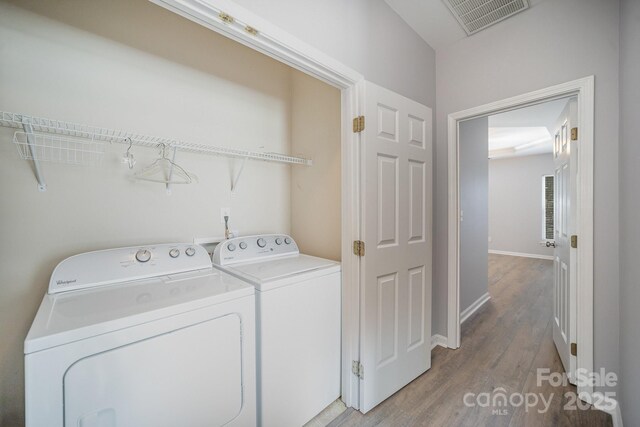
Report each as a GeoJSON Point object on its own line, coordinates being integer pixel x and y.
{"type": "Point", "coordinates": [396, 228]}
{"type": "Point", "coordinates": [565, 157]}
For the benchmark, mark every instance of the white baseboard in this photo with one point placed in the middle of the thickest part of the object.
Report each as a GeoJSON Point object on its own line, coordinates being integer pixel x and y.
{"type": "Point", "coordinates": [520, 254]}
{"type": "Point", "coordinates": [474, 307]}
{"type": "Point", "coordinates": [440, 340]}
{"type": "Point", "coordinates": [610, 406]}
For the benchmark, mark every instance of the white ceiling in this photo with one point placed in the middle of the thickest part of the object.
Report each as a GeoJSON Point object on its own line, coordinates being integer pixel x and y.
{"type": "Point", "coordinates": [525, 131]}
{"type": "Point", "coordinates": [433, 21]}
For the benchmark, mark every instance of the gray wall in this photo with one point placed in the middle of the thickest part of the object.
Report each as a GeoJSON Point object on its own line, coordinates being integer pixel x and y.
{"type": "Point", "coordinates": [366, 35]}
{"type": "Point", "coordinates": [515, 203]}
{"type": "Point", "coordinates": [474, 180]}
{"type": "Point", "coordinates": [629, 209]}
{"type": "Point", "coordinates": [553, 42]}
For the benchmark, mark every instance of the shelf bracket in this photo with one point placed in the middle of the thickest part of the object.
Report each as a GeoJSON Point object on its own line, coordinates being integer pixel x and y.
{"type": "Point", "coordinates": [234, 183]}
{"type": "Point", "coordinates": [28, 129]}
{"type": "Point", "coordinates": [173, 160]}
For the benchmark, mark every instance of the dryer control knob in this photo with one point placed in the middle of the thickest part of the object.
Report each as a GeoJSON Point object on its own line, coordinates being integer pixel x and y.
{"type": "Point", "coordinates": [287, 240]}
{"type": "Point", "coordinates": [243, 245]}
{"type": "Point", "coordinates": [278, 241]}
{"type": "Point", "coordinates": [262, 243]}
{"type": "Point", "coordinates": [143, 255]}
{"type": "Point", "coordinates": [174, 253]}
{"type": "Point", "coordinates": [190, 251]}
{"type": "Point", "coordinates": [231, 247]}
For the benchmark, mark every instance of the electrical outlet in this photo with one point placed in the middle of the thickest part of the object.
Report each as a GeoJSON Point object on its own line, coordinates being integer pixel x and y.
{"type": "Point", "coordinates": [224, 212]}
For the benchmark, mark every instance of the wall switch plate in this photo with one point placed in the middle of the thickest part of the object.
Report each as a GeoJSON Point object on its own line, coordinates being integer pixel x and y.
{"type": "Point", "coordinates": [224, 212]}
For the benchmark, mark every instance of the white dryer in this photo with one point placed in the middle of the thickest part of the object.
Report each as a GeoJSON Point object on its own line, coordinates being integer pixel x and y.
{"type": "Point", "coordinates": [298, 318]}
{"type": "Point", "coordinates": [142, 336]}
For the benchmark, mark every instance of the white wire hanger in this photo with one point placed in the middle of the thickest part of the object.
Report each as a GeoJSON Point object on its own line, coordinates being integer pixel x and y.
{"type": "Point", "coordinates": [166, 171]}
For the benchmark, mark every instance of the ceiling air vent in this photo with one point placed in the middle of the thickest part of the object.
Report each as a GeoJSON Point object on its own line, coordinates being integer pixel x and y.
{"type": "Point", "coordinates": [476, 15]}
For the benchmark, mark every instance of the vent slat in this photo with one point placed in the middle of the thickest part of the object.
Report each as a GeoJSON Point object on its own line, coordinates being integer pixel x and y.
{"type": "Point", "coordinates": [475, 15]}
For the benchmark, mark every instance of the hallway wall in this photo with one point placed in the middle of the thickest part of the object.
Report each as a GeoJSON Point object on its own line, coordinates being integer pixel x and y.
{"type": "Point", "coordinates": [474, 204]}
{"type": "Point", "coordinates": [553, 42]}
{"type": "Point", "coordinates": [629, 208]}
{"type": "Point", "coordinates": [515, 203]}
{"type": "Point", "coordinates": [351, 32]}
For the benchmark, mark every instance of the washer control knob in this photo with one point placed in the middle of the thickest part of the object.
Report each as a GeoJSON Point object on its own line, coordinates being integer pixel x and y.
{"type": "Point", "coordinates": [231, 247]}
{"type": "Point", "coordinates": [262, 243]}
{"type": "Point", "coordinates": [278, 241]}
{"type": "Point", "coordinates": [243, 245]}
{"type": "Point", "coordinates": [190, 251]}
{"type": "Point", "coordinates": [174, 253]}
{"type": "Point", "coordinates": [287, 240]}
{"type": "Point", "coordinates": [143, 255]}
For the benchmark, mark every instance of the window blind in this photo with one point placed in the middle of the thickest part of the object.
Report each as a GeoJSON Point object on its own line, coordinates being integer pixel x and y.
{"type": "Point", "coordinates": [548, 207]}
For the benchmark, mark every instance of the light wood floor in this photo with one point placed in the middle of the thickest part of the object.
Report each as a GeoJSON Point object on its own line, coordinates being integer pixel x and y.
{"type": "Point", "coordinates": [502, 346]}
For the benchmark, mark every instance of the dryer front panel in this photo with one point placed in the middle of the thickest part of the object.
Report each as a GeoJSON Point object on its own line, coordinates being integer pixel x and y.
{"type": "Point", "coordinates": [190, 376]}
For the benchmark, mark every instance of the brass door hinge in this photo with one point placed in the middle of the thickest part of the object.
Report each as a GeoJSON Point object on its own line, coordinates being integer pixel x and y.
{"type": "Point", "coordinates": [574, 349]}
{"type": "Point", "coordinates": [226, 18]}
{"type": "Point", "coordinates": [358, 247]}
{"type": "Point", "coordinates": [249, 29]}
{"type": "Point", "coordinates": [358, 124]}
{"type": "Point", "coordinates": [574, 134]}
{"type": "Point", "coordinates": [357, 369]}
{"type": "Point", "coordinates": [574, 241]}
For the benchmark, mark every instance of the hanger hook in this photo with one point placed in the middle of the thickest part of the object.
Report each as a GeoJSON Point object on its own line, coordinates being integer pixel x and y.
{"type": "Point", "coordinates": [130, 141]}
{"type": "Point", "coordinates": [163, 148]}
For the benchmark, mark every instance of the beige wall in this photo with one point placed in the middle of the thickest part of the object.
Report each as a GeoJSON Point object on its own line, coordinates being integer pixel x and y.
{"type": "Point", "coordinates": [315, 191]}
{"type": "Point", "coordinates": [134, 66]}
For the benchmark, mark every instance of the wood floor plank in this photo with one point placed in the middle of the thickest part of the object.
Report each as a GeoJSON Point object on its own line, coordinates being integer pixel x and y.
{"type": "Point", "coordinates": [503, 345]}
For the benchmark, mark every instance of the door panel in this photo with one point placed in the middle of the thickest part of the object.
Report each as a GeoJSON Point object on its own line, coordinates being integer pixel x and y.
{"type": "Point", "coordinates": [417, 179]}
{"type": "Point", "coordinates": [387, 200]}
{"type": "Point", "coordinates": [417, 285]}
{"type": "Point", "coordinates": [396, 224]}
{"type": "Point", "coordinates": [564, 305]}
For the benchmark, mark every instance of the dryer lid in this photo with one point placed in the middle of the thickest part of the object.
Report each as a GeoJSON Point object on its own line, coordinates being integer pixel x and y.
{"type": "Point", "coordinates": [76, 315]}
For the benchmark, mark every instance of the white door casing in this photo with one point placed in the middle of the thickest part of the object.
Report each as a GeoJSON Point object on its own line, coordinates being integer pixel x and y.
{"type": "Point", "coordinates": [584, 90]}
{"type": "Point", "coordinates": [565, 157]}
{"type": "Point", "coordinates": [396, 191]}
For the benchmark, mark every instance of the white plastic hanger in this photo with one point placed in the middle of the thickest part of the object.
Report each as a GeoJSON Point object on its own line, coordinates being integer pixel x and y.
{"type": "Point", "coordinates": [166, 171]}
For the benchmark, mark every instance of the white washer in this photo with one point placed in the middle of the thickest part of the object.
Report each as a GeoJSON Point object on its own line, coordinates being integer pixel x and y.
{"type": "Point", "coordinates": [142, 336]}
{"type": "Point", "coordinates": [297, 325]}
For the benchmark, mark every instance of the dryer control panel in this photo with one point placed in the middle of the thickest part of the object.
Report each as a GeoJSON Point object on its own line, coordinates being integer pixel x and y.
{"type": "Point", "coordinates": [249, 248]}
{"type": "Point", "coordinates": [112, 266]}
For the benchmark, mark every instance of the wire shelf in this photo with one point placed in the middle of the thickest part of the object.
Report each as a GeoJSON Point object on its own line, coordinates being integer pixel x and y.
{"type": "Point", "coordinates": [96, 134]}
{"type": "Point", "coordinates": [58, 149]}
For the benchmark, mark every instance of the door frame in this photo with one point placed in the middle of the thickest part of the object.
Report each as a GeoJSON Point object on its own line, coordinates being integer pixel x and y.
{"type": "Point", "coordinates": [238, 23]}
{"type": "Point", "coordinates": [584, 90]}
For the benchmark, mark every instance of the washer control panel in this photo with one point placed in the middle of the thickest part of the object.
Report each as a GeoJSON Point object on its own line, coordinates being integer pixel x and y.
{"type": "Point", "coordinates": [112, 266]}
{"type": "Point", "coordinates": [250, 248]}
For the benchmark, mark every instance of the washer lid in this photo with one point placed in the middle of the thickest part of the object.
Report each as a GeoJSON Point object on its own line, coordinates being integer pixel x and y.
{"type": "Point", "coordinates": [284, 270]}
{"type": "Point", "coordinates": [76, 315]}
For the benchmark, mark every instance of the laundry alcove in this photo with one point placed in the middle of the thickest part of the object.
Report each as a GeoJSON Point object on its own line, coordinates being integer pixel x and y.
{"type": "Point", "coordinates": [105, 69]}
